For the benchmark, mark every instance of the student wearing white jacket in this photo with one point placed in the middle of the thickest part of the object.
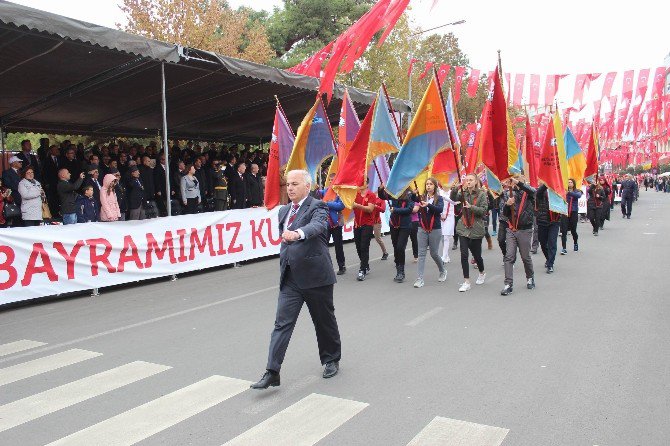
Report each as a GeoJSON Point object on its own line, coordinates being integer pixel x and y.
{"type": "Point", "coordinates": [448, 223]}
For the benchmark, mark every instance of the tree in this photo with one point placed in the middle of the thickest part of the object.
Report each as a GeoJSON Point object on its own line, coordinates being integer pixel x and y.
{"type": "Point", "coordinates": [204, 24]}
{"type": "Point", "coordinates": [303, 27]}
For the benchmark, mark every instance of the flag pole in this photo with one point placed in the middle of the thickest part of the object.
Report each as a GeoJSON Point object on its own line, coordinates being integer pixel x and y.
{"type": "Point", "coordinates": [332, 136]}
{"type": "Point", "coordinates": [388, 100]}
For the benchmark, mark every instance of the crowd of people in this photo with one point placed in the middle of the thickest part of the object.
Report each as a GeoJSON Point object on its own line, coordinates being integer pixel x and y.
{"type": "Point", "coordinates": [442, 219]}
{"type": "Point", "coordinates": [68, 183]}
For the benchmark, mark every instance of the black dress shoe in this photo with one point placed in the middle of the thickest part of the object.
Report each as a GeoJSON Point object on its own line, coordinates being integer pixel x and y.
{"type": "Point", "coordinates": [269, 379]}
{"type": "Point", "coordinates": [342, 270]}
{"type": "Point", "coordinates": [331, 369]}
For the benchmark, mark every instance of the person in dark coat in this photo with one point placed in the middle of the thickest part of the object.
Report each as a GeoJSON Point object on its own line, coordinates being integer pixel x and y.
{"type": "Point", "coordinates": [87, 208]}
{"type": "Point", "coordinates": [605, 214]}
{"type": "Point", "coordinates": [597, 199]}
{"type": "Point", "coordinates": [254, 187]}
{"type": "Point", "coordinates": [28, 158]}
{"type": "Point", "coordinates": [147, 179]}
{"type": "Point", "coordinates": [220, 184]}
{"type": "Point", "coordinates": [628, 195]}
{"type": "Point", "coordinates": [11, 178]}
{"type": "Point", "coordinates": [203, 182]}
{"type": "Point", "coordinates": [71, 163]}
{"type": "Point", "coordinates": [135, 192]}
{"type": "Point", "coordinates": [160, 186]}
{"type": "Point", "coordinates": [51, 165]}
{"type": "Point", "coordinates": [237, 188]}
{"type": "Point", "coordinates": [92, 180]}
{"type": "Point", "coordinates": [67, 194]}
{"type": "Point", "coordinates": [548, 226]}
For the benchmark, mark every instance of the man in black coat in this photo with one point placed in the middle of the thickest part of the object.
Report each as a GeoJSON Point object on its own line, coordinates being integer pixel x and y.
{"type": "Point", "coordinates": [147, 179]}
{"type": "Point", "coordinates": [628, 194]}
{"type": "Point", "coordinates": [135, 190]}
{"type": "Point", "coordinates": [306, 276]}
{"type": "Point", "coordinates": [254, 187]}
{"type": "Point", "coordinates": [29, 160]}
{"type": "Point", "coordinates": [11, 178]}
{"type": "Point", "coordinates": [51, 166]}
{"type": "Point", "coordinates": [160, 186]}
{"type": "Point", "coordinates": [238, 188]}
{"type": "Point", "coordinates": [67, 193]}
{"type": "Point", "coordinates": [203, 182]}
{"type": "Point", "coordinates": [71, 163]}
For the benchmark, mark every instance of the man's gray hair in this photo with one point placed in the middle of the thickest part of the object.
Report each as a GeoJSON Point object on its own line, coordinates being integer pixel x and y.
{"type": "Point", "coordinates": [306, 176]}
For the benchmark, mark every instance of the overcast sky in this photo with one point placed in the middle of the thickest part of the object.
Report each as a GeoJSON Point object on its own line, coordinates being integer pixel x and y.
{"type": "Point", "coordinates": [535, 37]}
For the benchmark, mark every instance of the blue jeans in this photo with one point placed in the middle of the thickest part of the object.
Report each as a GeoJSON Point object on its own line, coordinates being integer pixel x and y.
{"type": "Point", "coordinates": [69, 219]}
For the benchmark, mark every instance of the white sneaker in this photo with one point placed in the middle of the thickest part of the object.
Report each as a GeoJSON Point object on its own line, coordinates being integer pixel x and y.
{"type": "Point", "coordinates": [465, 286]}
{"type": "Point", "coordinates": [481, 278]}
{"type": "Point", "coordinates": [443, 276]}
{"type": "Point", "coordinates": [446, 260]}
{"type": "Point", "coordinates": [418, 283]}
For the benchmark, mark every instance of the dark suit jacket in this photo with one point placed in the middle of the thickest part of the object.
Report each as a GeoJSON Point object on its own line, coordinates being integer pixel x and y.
{"type": "Point", "coordinates": [255, 189]}
{"type": "Point", "coordinates": [30, 160]}
{"type": "Point", "coordinates": [309, 258]}
{"type": "Point", "coordinates": [238, 191]}
{"type": "Point", "coordinates": [11, 180]}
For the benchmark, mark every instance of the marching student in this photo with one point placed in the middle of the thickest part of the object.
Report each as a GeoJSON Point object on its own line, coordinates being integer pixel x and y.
{"type": "Point", "coordinates": [597, 198]}
{"type": "Point", "coordinates": [364, 220]}
{"type": "Point", "coordinates": [518, 207]}
{"type": "Point", "coordinates": [470, 228]}
{"type": "Point", "coordinates": [400, 225]}
{"type": "Point", "coordinates": [548, 225]}
{"type": "Point", "coordinates": [569, 222]}
{"type": "Point", "coordinates": [605, 214]}
{"type": "Point", "coordinates": [448, 219]}
{"type": "Point", "coordinates": [429, 209]}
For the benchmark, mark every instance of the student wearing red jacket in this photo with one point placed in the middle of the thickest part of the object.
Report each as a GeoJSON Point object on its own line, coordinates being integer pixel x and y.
{"type": "Point", "coordinates": [364, 206]}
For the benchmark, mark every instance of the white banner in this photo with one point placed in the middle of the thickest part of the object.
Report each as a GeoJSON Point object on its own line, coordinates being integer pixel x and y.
{"type": "Point", "coordinates": [49, 260]}
{"type": "Point", "coordinates": [582, 201]}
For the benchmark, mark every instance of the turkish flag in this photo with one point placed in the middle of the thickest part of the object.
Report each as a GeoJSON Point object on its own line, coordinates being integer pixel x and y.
{"type": "Point", "coordinates": [473, 83]}
{"type": "Point", "coordinates": [642, 82]}
{"type": "Point", "coordinates": [518, 89]}
{"type": "Point", "coordinates": [551, 87]}
{"type": "Point", "coordinates": [458, 82]}
{"type": "Point", "coordinates": [659, 77]}
{"type": "Point", "coordinates": [607, 85]}
{"type": "Point", "coordinates": [627, 81]}
{"type": "Point", "coordinates": [596, 110]}
{"type": "Point", "coordinates": [534, 90]}
{"type": "Point", "coordinates": [411, 65]}
{"type": "Point", "coordinates": [429, 65]}
{"type": "Point", "coordinates": [443, 72]}
{"type": "Point", "coordinates": [580, 83]}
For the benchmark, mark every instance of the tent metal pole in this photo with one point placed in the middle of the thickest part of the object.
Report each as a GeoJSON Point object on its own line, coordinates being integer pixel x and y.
{"type": "Point", "coordinates": [166, 149]}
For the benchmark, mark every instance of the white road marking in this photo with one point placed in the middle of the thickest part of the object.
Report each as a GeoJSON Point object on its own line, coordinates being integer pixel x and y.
{"type": "Point", "coordinates": [428, 314]}
{"type": "Point", "coordinates": [46, 364]}
{"type": "Point", "coordinates": [302, 424]}
{"type": "Point", "coordinates": [35, 406]}
{"type": "Point", "coordinates": [445, 431]}
{"type": "Point", "coordinates": [148, 419]}
{"type": "Point", "coordinates": [18, 346]}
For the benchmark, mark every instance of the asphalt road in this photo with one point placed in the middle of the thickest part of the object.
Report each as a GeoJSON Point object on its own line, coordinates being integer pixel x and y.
{"type": "Point", "coordinates": [584, 359]}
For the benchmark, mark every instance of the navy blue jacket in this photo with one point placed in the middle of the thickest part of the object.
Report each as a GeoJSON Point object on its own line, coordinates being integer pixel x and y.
{"type": "Point", "coordinates": [572, 197]}
{"type": "Point", "coordinates": [431, 212]}
{"type": "Point", "coordinates": [87, 210]}
{"type": "Point", "coordinates": [628, 189]}
{"type": "Point", "coordinates": [335, 208]}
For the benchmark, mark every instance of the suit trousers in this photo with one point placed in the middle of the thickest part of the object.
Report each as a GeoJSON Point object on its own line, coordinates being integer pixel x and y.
{"type": "Point", "coordinates": [626, 205]}
{"type": "Point", "coordinates": [136, 214]}
{"type": "Point", "coordinates": [319, 302]}
{"type": "Point", "coordinates": [336, 233]}
{"type": "Point", "coordinates": [399, 238]}
{"type": "Point", "coordinates": [548, 236]}
{"type": "Point", "coordinates": [362, 237]}
{"type": "Point", "coordinates": [518, 239]}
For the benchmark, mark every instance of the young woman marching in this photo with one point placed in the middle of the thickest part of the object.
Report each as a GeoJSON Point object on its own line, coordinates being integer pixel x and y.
{"type": "Point", "coordinates": [569, 222]}
{"type": "Point", "coordinates": [400, 225]}
{"type": "Point", "coordinates": [470, 228]}
{"type": "Point", "coordinates": [429, 236]}
{"type": "Point", "coordinates": [607, 190]}
{"type": "Point", "coordinates": [594, 205]}
{"type": "Point", "coordinates": [448, 224]}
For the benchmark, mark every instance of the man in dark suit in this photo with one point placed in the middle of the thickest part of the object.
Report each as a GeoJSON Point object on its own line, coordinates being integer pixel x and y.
{"type": "Point", "coordinates": [26, 155]}
{"type": "Point", "coordinates": [238, 188]}
{"type": "Point", "coordinates": [628, 194]}
{"type": "Point", "coordinates": [254, 187]}
{"type": "Point", "coordinates": [306, 276]}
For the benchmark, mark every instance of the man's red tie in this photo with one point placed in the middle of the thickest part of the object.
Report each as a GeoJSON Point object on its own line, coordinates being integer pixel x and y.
{"type": "Point", "coordinates": [294, 212]}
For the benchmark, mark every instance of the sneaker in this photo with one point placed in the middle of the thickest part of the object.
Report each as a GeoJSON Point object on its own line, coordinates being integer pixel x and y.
{"type": "Point", "coordinates": [507, 290]}
{"type": "Point", "coordinates": [481, 278]}
{"type": "Point", "coordinates": [361, 275]}
{"type": "Point", "coordinates": [494, 233]}
{"type": "Point", "coordinates": [454, 248]}
{"type": "Point", "coordinates": [623, 215]}
{"type": "Point", "coordinates": [367, 270]}
{"type": "Point", "coordinates": [416, 259]}
{"type": "Point", "coordinates": [385, 256]}
{"type": "Point", "coordinates": [443, 276]}
{"type": "Point", "coordinates": [576, 247]}
{"type": "Point", "coordinates": [446, 260]}
{"type": "Point", "coordinates": [564, 251]}
{"type": "Point", "coordinates": [342, 270]}
{"type": "Point", "coordinates": [465, 286]}
{"type": "Point", "coordinates": [628, 217]}
{"type": "Point", "coordinates": [533, 251]}
{"type": "Point", "coordinates": [595, 233]}
{"type": "Point", "coordinates": [530, 284]}
{"type": "Point", "coordinates": [418, 283]}
{"type": "Point", "coordinates": [550, 269]}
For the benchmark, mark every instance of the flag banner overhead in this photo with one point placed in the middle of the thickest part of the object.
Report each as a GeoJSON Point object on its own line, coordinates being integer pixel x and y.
{"type": "Point", "coordinates": [281, 145]}
{"type": "Point", "coordinates": [427, 136]}
{"type": "Point", "coordinates": [575, 158]}
{"type": "Point", "coordinates": [313, 143]}
{"type": "Point", "coordinates": [497, 142]}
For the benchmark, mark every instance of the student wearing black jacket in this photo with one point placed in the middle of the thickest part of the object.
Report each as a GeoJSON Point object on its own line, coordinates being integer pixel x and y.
{"type": "Point", "coordinates": [429, 235]}
{"type": "Point", "coordinates": [519, 210]}
{"type": "Point", "coordinates": [548, 226]}
{"type": "Point", "coordinates": [400, 225]}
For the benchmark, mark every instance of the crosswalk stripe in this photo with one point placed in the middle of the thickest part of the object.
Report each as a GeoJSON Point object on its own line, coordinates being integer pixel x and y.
{"type": "Point", "coordinates": [18, 346]}
{"type": "Point", "coordinates": [52, 400]}
{"type": "Point", "coordinates": [441, 431]}
{"type": "Point", "coordinates": [148, 419]}
{"type": "Point", "coordinates": [42, 365]}
{"type": "Point", "coordinates": [302, 424]}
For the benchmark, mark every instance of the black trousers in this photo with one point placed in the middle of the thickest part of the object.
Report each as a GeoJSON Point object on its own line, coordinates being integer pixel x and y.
{"type": "Point", "coordinates": [191, 206]}
{"type": "Point", "coordinates": [399, 238]}
{"type": "Point", "coordinates": [569, 224]}
{"type": "Point", "coordinates": [473, 245]}
{"type": "Point", "coordinates": [362, 237]}
{"type": "Point", "coordinates": [319, 302]}
{"type": "Point", "coordinates": [336, 233]}
{"type": "Point", "coordinates": [502, 236]}
{"type": "Point", "coordinates": [548, 236]}
{"type": "Point", "coordinates": [626, 205]}
{"type": "Point", "coordinates": [414, 230]}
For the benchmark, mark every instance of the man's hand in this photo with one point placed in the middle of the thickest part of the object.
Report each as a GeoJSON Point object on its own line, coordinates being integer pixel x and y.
{"type": "Point", "coordinates": [290, 236]}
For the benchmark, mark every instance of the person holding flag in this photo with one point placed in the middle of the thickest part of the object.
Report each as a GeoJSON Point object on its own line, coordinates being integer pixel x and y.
{"type": "Point", "coordinates": [548, 226]}
{"type": "Point", "coordinates": [470, 228]}
{"type": "Point", "coordinates": [448, 218]}
{"type": "Point", "coordinates": [335, 224]}
{"type": "Point", "coordinates": [569, 222]}
{"type": "Point", "coordinates": [518, 209]}
{"type": "Point", "coordinates": [400, 224]}
{"type": "Point", "coordinates": [364, 219]}
{"type": "Point", "coordinates": [429, 209]}
{"type": "Point", "coordinates": [597, 198]}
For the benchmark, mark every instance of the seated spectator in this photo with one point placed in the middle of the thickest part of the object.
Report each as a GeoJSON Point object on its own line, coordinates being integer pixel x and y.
{"type": "Point", "coordinates": [31, 198]}
{"type": "Point", "coordinates": [68, 195]}
{"type": "Point", "coordinates": [87, 208]}
{"type": "Point", "coordinates": [109, 205]}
